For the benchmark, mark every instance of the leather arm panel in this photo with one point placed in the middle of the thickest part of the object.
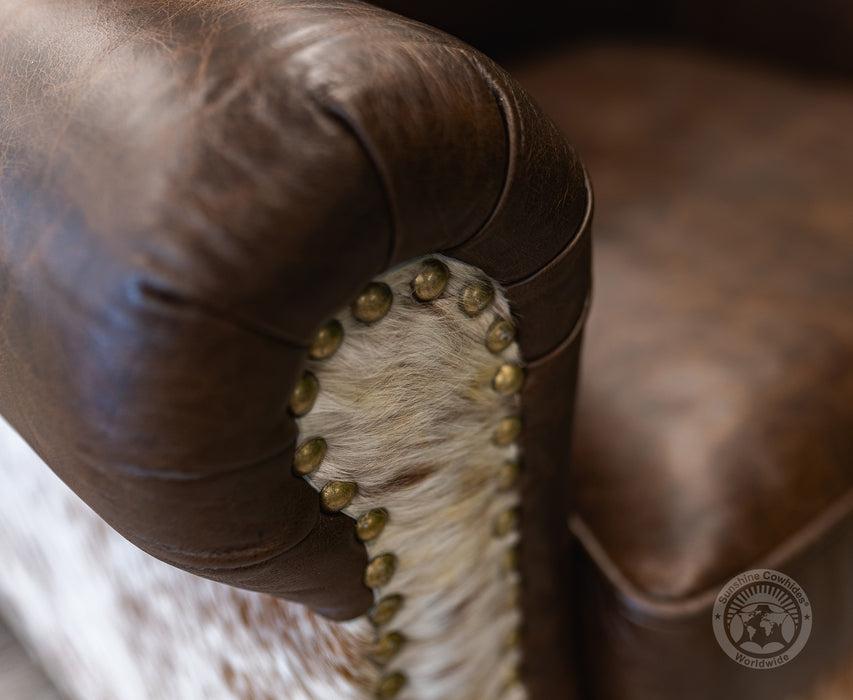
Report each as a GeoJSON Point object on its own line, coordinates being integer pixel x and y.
{"type": "Point", "coordinates": [188, 192]}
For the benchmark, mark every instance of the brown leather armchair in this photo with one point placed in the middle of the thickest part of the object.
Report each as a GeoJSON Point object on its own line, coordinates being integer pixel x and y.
{"type": "Point", "coordinates": [217, 217]}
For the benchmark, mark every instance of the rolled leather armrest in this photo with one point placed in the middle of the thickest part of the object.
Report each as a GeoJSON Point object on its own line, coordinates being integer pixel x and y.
{"type": "Point", "coordinates": [187, 192]}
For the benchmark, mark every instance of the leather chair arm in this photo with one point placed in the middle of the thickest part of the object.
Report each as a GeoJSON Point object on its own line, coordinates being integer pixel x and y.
{"type": "Point", "coordinates": [187, 192]}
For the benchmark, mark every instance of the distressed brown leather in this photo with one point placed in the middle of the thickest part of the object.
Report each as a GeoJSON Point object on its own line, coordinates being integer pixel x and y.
{"type": "Point", "coordinates": [716, 401]}
{"type": "Point", "coordinates": [188, 191]}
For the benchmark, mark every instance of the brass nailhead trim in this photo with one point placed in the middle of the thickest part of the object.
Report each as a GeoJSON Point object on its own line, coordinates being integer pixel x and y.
{"type": "Point", "coordinates": [505, 522]}
{"type": "Point", "coordinates": [328, 341]}
{"type": "Point", "coordinates": [373, 303]}
{"type": "Point", "coordinates": [507, 431]}
{"type": "Point", "coordinates": [304, 395]}
{"type": "Point", "coordinates": [431, 281]}
{"type": "Point", "coordinates": [370, 306]}
{"type": "Point", "coordinates": [390, 686]}
{"type": "Point", "coordinates": [508, 476]}
{"type": "Point", "coordinates": [512, 639]}
{"type": "Point", "coordinates": [384, 611]}
{"type": "Point", "coordinates": [371, 524]}
{"type": "Point", "coordinates": [515, 595]}
{"type": "Point", "coordinates": [499, 336]}
{"type": "Point", "coordinates": [308, 456]}
{"type": "Point", "coordinates": [380, 570]}
{"type": "Point", "coordinates": [509, 561]}
{"type": "Point", "coordinates": [508, 379]}
{"type": "Point", "coordinates": [387, 647]}
{"type": "Point", "coordinates": [337, 495]}
{"type": "Point", "coordinates": [512, 677]}
{"type": "Point", "coordinates": [476, 297]}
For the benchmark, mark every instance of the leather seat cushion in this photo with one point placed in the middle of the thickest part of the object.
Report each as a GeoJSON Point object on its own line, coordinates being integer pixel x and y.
{"type": "Point", "coordinates": [715, 415]}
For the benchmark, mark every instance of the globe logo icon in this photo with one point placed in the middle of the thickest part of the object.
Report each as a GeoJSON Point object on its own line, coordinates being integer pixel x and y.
{"type": "Point", "coordinates": [762, 619]}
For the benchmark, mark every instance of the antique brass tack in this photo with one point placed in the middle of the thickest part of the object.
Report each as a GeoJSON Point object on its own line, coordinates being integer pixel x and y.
{"type": "Point", "coordinates": [508, 379]}
{"type": "Point", "coordinates": [499, 336]}
{"type": "Point", "coordinates": [386, 648]}
{"type": "Point", "coordinates": [309, 455]}
{"type": "Point", "coordinates": [511, 677]}
{"type": "Point", "coordinates": [509, 561]}
{"type": "Point", "coordinates": [515, 595]}
{"type": "Point", "coordinates": [507, 431]}
{"type": "Point", "coordinates": [373, 303]}
{"type": "Point", "coordinates": [371, 524]}
{"type": "Point", "coordinates": [327, 341]}
{"type": "Point", "coordinates": [476, 297]}
{"type": "Point", "coordinates": [337, 495]}
{"type": "Point", "coordinates": [431, 281]}
{"type": "Point", "coordinates": [390, 686]}
{"type": "Point", "coordinates": [384, 611]}
{"type": "Point", "coordinates": [511, 639]}
{"type": "Point", "coordinates": [380, 570]}
{"type": "Point", "coordinates": [508, 476]}
{"type": "Point", "coordinates": [505, 522]}
{"type": "Point", "coordinates": [304, 395]}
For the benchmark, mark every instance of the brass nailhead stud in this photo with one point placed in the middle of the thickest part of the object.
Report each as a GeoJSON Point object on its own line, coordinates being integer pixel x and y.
{"type": "Point", "coordinates": [511, 677]}
{"type": "Point", "coordinates": [373, 303]}
{"type": "Point", "coordinates": [390, 686]}
{"type": "Point", "coordinates": [308, 456]}
{"type": "Point", "coordinates": [384, 611]}
{"type": "Point", "coordinates": [507, 431]}
{"type": "Point", "coordinates": [505, 522]}
{"type": "Point", "coordinates": [476, 297]}
{"type": "Point", "coordinates": [328, 341]}
{"type": "Point", "coordinates": [499, 336]}
{"type": "Point", "coordinates": [515, 595]}
{"type": "Point", "coordinates": [304, 395]}
{"type": "Point", "coordinates": [511, 639]}
{"type": "Point", "coordinates": [371, 524]}
{"type": "Point", "coordinates": [380, 570]}
{"type": "Point", "coordinates": [431, 281]}
{"type": "Point", "coordinates": [387, 647]}
{"type": "Point", "coordinates": [509, 561]}
{"type": "Point", "coordinates": [508, 476]}
{"type": "Point", "coordinates": [337, 495]}
{"type": "Point", "coordinates": [508, 379]}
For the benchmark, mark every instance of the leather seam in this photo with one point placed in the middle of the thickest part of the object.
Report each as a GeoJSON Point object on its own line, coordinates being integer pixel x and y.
{"type": "Point", "coordinates": [502, 102]}
{"type": "Point", "coordinates": [340, 115]}
{"type": "Point", "coordinates": [572, 336]}
{"type": "Point", "coordinates": [227, 553]}
{"type": "Point", "coordinates": [151, 291]}
{"type": "Point", "coordinates": [573, 243]}
{"type": "Point", "coordinates": [174, 475]}
{"type": "Point", "coordinates": [633, 598]}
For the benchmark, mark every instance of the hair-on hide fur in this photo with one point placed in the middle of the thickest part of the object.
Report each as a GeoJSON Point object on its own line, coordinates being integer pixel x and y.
{"type": "Point", "coordinates": [407, 408]}
{"type": "Point", "coordinates": [414, 432]}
